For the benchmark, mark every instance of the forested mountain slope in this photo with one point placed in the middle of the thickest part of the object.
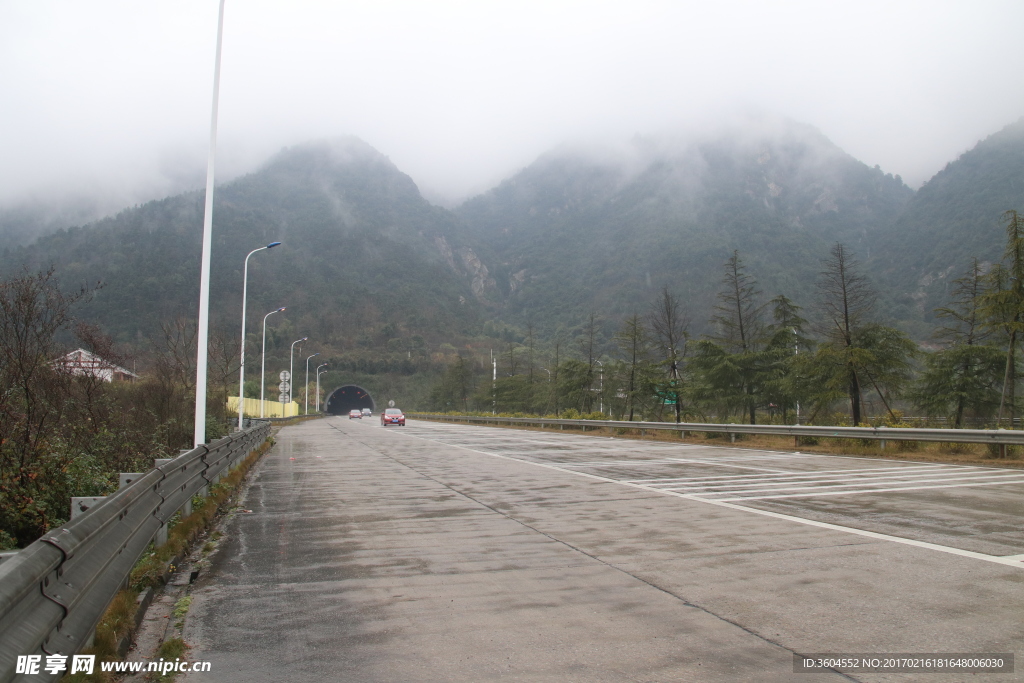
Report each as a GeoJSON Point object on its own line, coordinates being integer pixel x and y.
{"type": "Point", "coordinates": [367, 263]}
{"type": "Point", "coordinates": [955, 216]}
{"type": "Point", "coordinates": [363, 259]}
{"type": "Point", "coordinates": [581, 231]}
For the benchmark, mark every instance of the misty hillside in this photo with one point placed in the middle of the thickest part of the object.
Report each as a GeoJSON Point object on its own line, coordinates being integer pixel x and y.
{"type": "Point", "coordinates": [363, 260]}
{"type": "Point", "coordinates": [371, 270]}
{"type": "Point", "coordinates": [956, 215]}
{"type": "Point", "coordinates": [581, 231]}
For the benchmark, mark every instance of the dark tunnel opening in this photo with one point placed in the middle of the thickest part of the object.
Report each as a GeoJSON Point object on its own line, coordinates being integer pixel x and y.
{"type": "Point", "coordinates": [344, 399]}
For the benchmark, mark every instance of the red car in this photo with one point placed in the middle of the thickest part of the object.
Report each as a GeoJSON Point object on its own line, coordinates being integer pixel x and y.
{"type": "Point", "coordinates": [392, 416]}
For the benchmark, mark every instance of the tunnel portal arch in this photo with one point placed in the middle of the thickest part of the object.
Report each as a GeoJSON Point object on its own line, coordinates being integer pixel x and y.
{"type": "Point", "coordinates": [347, 397]}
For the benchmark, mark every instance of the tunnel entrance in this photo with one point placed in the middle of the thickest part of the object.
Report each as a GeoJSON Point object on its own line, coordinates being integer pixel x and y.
{"type": "Point", "coordinates": [344, 399]}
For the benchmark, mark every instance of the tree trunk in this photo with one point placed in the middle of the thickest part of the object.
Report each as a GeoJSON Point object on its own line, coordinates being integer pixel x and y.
{"type": "Point", "coordinates": [854, 398]}
{"type": "Point", "coordinates": [1008, 379]}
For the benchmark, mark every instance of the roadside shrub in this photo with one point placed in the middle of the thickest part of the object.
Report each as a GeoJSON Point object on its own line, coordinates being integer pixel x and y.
{"type": "Point", "coordinates": [993, 451]}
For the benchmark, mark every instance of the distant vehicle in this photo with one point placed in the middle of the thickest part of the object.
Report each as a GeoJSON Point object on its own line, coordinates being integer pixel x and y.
{"type": "Point", "coordinates": [354, 414]}
{"type": "Point", "coordinates": [367, 412]}
{"type": "Point", "coordinates": [392, 416]}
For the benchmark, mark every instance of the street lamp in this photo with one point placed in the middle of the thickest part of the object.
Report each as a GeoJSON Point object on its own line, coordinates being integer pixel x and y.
{"type": "Point", "coordinates": [549, 374]}
{"type": "Point", "coordinates": [318, 373]}
{"type": "Point", "coordinates": [291, 366]}
{"type": "Point", "coordinates": [203, 324]}
{"type": "Point", "coordinates": [263, 357]}
{"type": "Point", "coordinates": [307, 383]}
{"type": "Point", "coordinates": [241, 370]}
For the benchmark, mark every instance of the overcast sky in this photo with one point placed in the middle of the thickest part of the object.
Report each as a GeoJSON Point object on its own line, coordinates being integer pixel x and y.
{"type": "Point", "coordinates": [113, 97]}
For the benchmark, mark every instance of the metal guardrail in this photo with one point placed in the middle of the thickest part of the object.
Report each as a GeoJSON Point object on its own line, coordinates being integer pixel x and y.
{"type": "Point", "coordinates": [53, 593]}
{"type": "Point", "coordinates": [999, 437]}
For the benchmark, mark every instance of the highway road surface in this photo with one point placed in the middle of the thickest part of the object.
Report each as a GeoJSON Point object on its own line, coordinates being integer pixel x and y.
{"type": "Point", "coordinates": [440, 552]}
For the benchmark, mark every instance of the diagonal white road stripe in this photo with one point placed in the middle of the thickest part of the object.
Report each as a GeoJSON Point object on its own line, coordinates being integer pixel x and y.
{"type": "Point", "coordinates": [1010, 561]}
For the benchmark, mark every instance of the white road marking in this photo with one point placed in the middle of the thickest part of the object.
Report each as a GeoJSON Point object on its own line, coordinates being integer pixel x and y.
{"type": "Point", "coordinates": [823, 483]}
{"type": "Point", "coordinates": [846, 493]}
{"type": "Point", "coordinates": [790, 473]}
{"type": "Point", "coordinates": [1006, 561]}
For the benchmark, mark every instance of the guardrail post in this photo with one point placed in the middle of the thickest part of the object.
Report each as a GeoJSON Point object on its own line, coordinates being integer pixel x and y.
{"type": "Point", "coordinates": [126, 478]}
{"type": "Point", "coordinates": [1002, 450]}
{"type": "Point", "coordinates": [80, 504]}
{"type": "Point", "coordinates": [732, 437]}
{"type": "Point", "coordinates": [161, 534]}
{"type": "Point", "coordinates": [881, 444]}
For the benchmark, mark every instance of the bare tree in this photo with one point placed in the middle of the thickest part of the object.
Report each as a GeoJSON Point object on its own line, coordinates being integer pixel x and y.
{"type": "Point", "coordinates": [34, 393]}
{"type": "Point", "coordinates": [846, 300]}
{"type": "Point", "coordinates": [634, 345]}
{"type": "Point", "coordinates": [671, 326]}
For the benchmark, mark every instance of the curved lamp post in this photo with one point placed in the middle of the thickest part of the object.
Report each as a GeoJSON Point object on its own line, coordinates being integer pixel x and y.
{"type": "Point", "coordinates": [307, 383]}
{"type": "Point", "coordinates": [241, 370]}
{"type": "Point", "coordinates": [318, 373]}
{"type": "Point", "coordinates": [291, 367]}
{"type": "Point", "coordinates": [263, 357]}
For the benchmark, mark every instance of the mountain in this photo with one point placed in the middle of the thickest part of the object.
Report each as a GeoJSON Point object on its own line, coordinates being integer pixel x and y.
{"type": "Point", "coordinates": [603, 230]}
{"type": "Point", "coordinates": [385, 282]}
{"type": "Point", "coordinates": [956, 215]}
{"type": "Point", "coordinates": [365, 260]}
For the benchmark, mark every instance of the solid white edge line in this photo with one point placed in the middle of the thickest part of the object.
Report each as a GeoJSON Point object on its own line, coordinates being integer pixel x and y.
{"type": "Point", "coordinates": [764, 513]}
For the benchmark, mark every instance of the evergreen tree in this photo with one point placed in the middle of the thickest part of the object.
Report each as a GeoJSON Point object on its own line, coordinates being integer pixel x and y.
{"type": "Point", "coordinates": [732, 361]}
{"type": "Point", "coordinates": [965, 376]}
{"type": "Point", "coordinates": [783, 384]}
{"type": "Point", "coordinates": [1002, 306]}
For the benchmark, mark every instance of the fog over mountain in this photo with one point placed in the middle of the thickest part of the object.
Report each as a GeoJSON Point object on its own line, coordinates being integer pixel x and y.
{"type": "Point", "coordinates": [368, 263]}
{"type": "Point", "coordinates": [108, 103]}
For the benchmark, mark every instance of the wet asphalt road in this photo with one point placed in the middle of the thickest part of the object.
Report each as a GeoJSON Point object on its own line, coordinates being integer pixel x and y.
{"type": "Point", "coordinates": [437, 552]}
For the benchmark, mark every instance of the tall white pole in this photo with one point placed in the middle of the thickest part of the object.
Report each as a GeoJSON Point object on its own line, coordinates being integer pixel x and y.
{"type": "Point", "coordinates": [203, 326]}
{"type": "Point", "coordinates": [306, 389]}
{"type": "Point", "coordinates": [796, 352]}
{"type": "Point", "coordinates": [291, 368]}
{"type": "Point", "coordinates": [318, 373]}
{"type": "Point", "coordinates": [263, 357]}
{"type": "Point", "coordinates": [602, 385]}
{"type": "Point", "coordinates": [241, 364]}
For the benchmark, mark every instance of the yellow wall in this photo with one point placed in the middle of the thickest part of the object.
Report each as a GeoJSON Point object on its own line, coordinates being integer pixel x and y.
{"type": "Point", "coordinates": [270, 408]}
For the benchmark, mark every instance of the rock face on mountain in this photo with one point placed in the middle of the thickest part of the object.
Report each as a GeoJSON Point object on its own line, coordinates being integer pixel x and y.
{"type": "Point", "coordinates": [584, 230]}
